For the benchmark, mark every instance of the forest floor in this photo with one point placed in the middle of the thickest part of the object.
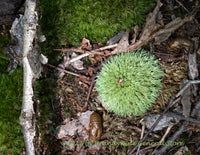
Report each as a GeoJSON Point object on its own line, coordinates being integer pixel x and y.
{"type": "Point", "coordinates": [64, 94]}
{"type": "Point", "coordinates": [121, 134]}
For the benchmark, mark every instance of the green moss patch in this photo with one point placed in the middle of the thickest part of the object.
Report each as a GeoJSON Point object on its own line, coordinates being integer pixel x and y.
{"type": "Point", "coordinates": [11, 88]}
{"type": "Point", "coordinates": [96, 20]}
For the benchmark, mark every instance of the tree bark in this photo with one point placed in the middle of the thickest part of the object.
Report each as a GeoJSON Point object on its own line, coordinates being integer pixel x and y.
{"type": "Point", "coordinates": [27, 119]}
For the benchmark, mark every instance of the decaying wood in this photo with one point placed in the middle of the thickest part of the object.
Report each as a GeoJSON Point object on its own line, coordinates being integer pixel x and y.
{"type": "Point", "coordinates": [27, 119]}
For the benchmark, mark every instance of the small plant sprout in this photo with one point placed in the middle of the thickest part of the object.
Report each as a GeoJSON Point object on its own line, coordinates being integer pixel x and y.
{"type": "Point", "coordinates": [129, 82]}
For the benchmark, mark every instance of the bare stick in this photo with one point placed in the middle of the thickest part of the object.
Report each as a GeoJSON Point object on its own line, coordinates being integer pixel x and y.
{"type": "Point", "coordinates": [139, 130]}
{"type": "Point", "coordinates": [179, 132]}
{"type": "Point", "coordinates": [90, 90]}
{"type": "Point", "coordinates": [164, 136]}
{"type": "Point", "coordinates": [171, 103]}
{"type": "Point", "coordinates": [68, 72]}
{"type": "Point", "coordinates": [142, 134]}
{"type": "Point", "coordinates": [27, 119]}
{"type": "Point", "coordinates": [186, 86]}
{"type": "Point", "coordinates": [172, 139]}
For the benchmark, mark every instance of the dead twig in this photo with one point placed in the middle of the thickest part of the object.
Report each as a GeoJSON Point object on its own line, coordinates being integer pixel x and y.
{"type": "Point", "coordinates": [186, 86]}
{"type": "Point", "coordinates": [79, 50]}
{"type": "Point", "coordinates": [171, 103]}
{"type": "Point", "coordinates": [178, 132]}
{"type": "Point", "coordinates": [90, 90]}
{"type": "Point", "coordinates": [142, 134]}
{"type": "Point", "coordinates": [68, 72]}
{"type": "Point", "coordinates": [164, 136]}
{"type": "Point", "coordinates": [172, 139]}
{"type": "Point", "coordinates": [139, 130]}
{"type": "Point", "coordinates": [93, 52]}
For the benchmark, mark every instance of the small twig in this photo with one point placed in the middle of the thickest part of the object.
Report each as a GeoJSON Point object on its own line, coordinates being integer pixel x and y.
{"type": "Point", "coordinates": [108, 47]}
{"type": "Point", "coordinates": [162, 53]}
{"type": "Point", "coordinates": [139, 130]}
{"type": "Point", "coordinates": [146, 148]}
{"type": "Point", "coordinates": [171, 103]}
{"type": "Point", "coordinates": [90, 90]}
{"type": "Point", "coordinates": [196, 21]}
{"type": "Point", "coordinates": [178, 132]}
{"type": "Point", "coordinates": [182, 6]}
{"type": "Point", "coordinates": [142, 134]}
{"type": "Point", "coordinates": [164, 136]}
{"type": "Point", "coordinates": [186, 86]}
{"type": "Point", "coordinates": [93, 82]}
{"type": "Point", "coordinates": [89, 53]}
{"type": "Point", "coordinates": [172, 139]}
{"type": "Point", "coordinates": [167, 132]}
{"type": "Point", "coordinates": [70, 50]}
{"type": "Point", "coordinates": [68, 72]}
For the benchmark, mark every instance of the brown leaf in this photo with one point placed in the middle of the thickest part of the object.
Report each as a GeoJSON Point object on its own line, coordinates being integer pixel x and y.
{"type": "Point", "coordinates": [86, 44]}
{"type": "Point", "coordinates": [123, 44]}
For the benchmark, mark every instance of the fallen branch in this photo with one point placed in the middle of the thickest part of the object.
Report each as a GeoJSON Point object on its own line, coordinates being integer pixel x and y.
{"type": "Point", "coordinates": [27, 119]}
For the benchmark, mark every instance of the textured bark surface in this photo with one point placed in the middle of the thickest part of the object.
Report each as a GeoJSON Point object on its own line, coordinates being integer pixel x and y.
{"type": "Point", "coordinates": [27, 119]}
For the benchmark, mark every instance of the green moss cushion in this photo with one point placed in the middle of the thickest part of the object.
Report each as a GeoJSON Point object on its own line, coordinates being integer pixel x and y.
{"type": "Point", "coordinates": [129, 82]}
{"type": "Point", "coordinates": [97, 20]}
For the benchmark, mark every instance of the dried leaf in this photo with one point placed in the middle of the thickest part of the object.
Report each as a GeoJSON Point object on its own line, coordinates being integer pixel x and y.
{"type": "Point", "coordinates": [116, 38]}
{"type": "Point", "coordinates": [123, 44]}
{"type": "Point", "coordinates": [192, 64]}
{"type": "Point", "coordinates": [78, 64]}
{"type": "Point", "coordinates": [164, 122]}
{"type": "Point", "coordinates": [86, 44]}
{"type": "Point", "coordinates": [182, 151]}
{"type": "Point", "coordinates": [76, 126]}
{"type": "Point", "coordinates": [186, 103]}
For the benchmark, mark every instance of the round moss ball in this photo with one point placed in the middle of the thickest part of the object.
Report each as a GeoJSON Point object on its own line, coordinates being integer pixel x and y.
{"type": "Point", "coordinates": [129, 82]}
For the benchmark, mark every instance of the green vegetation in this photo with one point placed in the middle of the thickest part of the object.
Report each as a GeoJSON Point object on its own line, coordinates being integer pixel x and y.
{"type": "Point", "coordinates": [129, 82]}
{"type": "Point", "coordinates": [11, 85]}
{"type": "Point", "coordinates": [67, 22]}
{"type": "Point", "coordinates": [45, 94]}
